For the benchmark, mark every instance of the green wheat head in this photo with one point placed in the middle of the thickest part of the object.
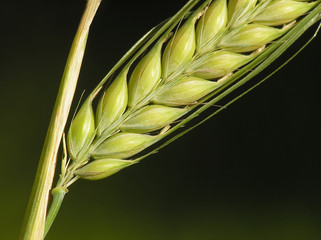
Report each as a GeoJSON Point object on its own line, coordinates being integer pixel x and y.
{"type": "Point", "coordinates": [166, 82]}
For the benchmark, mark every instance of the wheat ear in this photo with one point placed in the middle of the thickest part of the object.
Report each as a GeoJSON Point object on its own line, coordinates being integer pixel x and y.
{"type": "Point", "coordinates": [208, 51]}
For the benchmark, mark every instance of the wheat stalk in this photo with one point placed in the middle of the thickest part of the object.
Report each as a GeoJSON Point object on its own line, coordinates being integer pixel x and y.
{"type": "Point", "coordinates": [154, 94]}
{"type": "Point", "coordinates": [35, 217]}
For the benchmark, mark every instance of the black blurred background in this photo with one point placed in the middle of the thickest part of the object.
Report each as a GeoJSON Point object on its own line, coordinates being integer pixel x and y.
{"type": "Point", "coordinates": [251, 172]}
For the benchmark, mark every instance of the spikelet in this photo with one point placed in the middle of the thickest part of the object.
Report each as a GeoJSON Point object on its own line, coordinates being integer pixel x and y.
{"type": "Point", "coordinates": [103, 168]}
{"type": "Point", "coordinates": [251, 37]}
{"type": "Point", "coordinates": [82, 130]}
{"type": "Point", "coordinates": [187, 91]}
{"type": "Point", "coordinates": [282, 12]}
{"type": "Point", "coordinates": [123, 145]}
{"type": "Point", "coordinates": [180, 48]}
{"type": "Point", "coordinates": [212, 22]}
{"type": "Point", "coordinates": [238, 11]}
{"type": "Point", "coordinates": [220, 63]}
{"type": "Point", "coordinates": [146, 76]}
{"type": "Point", "coordinates": [113, 103]}
{"type": "Point", "coordinates": [151, 118]}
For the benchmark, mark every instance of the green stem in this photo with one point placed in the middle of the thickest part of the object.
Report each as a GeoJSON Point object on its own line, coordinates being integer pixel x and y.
{"type": "Point", "coordinates": [34, 221]}
{"type": "Point", "coordinates": [58, 194]}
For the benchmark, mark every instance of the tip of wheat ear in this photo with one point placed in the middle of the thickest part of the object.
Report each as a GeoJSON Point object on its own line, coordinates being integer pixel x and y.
{"type": "Point", "coordinates": [131, 114]}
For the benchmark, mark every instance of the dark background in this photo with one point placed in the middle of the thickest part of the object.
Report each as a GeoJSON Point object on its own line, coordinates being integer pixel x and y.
{"type": "Point", "coordinates": [251, 172]}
